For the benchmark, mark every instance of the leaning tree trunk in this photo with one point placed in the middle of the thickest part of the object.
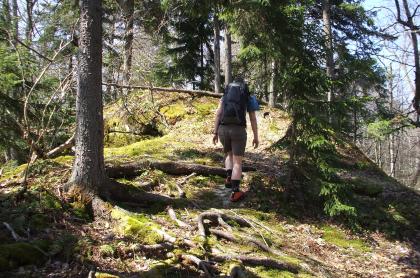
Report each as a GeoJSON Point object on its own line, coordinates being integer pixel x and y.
{"type": "Point", "coordinates": [326, 13]}
{"type": "Point", "coordinates": [15, 19]}
{"type": "Point", "coordinates": [88, 169]}
{"type": "Point", "coordinates": [127, 7]}
{"type": "Point", "coordinates": [228, 56]}
{"type": "Point", "coordinates": [217, 82]}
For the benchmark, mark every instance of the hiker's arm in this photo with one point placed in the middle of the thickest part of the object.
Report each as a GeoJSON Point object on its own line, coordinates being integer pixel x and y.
{"type": "Point", "coordinates": [217, 122]}
{"type": "Point", "coordinates": [254, 125]}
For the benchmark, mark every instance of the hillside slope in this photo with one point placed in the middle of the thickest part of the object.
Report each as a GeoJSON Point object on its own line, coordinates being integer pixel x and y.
{"type": "Point", "coordinates": [269, 234]}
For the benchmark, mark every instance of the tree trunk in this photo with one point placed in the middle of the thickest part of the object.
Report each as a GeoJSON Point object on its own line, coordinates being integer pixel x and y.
{"type": "Point", "coordinates": [30, 23]}
{"type": "Point", "coordinates": [127, 7]}
{"type": "Point", "coordinates": [88, 169]}
{"type": "Point", "coordinates": [413, 32]}
{"type": "Point", "coordinates": [391, 136]}
{"type": "Point", "coordinates": [272, 97]}
{"type": "Point", "coordinates": [15, 18]}
{"type": "Point", "coordinates": [326, 12]}
{"type": "Point", "coordinates": [228, 56]}
{"type": "Point", "coordinates": [217, 81]}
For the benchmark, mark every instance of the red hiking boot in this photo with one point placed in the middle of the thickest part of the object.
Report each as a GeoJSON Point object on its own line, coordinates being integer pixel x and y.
{"type": "Point", "coordinates": [237, 196]}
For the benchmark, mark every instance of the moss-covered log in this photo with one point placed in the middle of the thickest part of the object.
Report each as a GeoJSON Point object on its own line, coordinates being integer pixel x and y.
{"type": "Point", "coordinates": [169, 167]}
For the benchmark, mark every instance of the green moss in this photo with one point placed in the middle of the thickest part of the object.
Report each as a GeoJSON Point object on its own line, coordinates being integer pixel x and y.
{"type": "Point", "coordinates": [15, 172]}
{"type": "Point", "coordinates": [204, 109]}
{"type": "Point", "coordinates": [107, 250]}
{"type": "Point", "coordinates": [137, 226]}
{"type": "Point", "coordinates": [338, 238]}
{"type": "Point", "coordinates": [105, 275]}
{"type": "Point", "coordinates": [116, 139]}
{"type": "Point", "coordinates": [174, 112]}
{"type": "Point", "coordinates": [290, 260]}
{"type": "Point", "coordinates": [396, 215]}
{"type": "Point", "coordinates": [161, 147]}
{"type": "Point", "coordinates": [264, 272]}
{"type": "Point", "coordinates": [22, 253]}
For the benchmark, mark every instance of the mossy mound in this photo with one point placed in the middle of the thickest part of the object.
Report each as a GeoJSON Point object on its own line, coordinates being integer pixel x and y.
{"type": "Point", "coordinates": [18, 254]}
{"type": "Point", "coordinates": [137, 226]}
{"type": "Point", "coordinates": [339, 238]}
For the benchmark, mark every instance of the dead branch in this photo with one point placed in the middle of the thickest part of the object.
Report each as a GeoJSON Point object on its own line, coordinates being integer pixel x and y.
{"type": "Point", "coordinates": [65, 146]}
{"type": "Point", "coordinates": [161, 89]}
{"type": "Point", "coordinates": [15, 236]}
{"type": "Point", "coordinates": [172, 215]}
{"type": "Point", "coordinates": [170, 167]}
{"type": "Point", "coordinates": [182, 182]}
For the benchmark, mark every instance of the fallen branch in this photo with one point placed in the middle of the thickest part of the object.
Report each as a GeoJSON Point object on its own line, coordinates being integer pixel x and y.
{"type": "Point", "coordinates": [15, 236]}
{"type": "Point", "coordinates": [152, 247]}
{"type": "Point", "coordinates": [170, 167]}
{"type": "Point", "coordinates": [161, 89]}
{"type": "Point", "coordinates": [65, 146]}
{"type": "Point", "coordinates": [182, 182]}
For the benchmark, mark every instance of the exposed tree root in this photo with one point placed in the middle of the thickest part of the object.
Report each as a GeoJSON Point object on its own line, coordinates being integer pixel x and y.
{"type": "Point", "coordinates": [170, 167]}
{"type": "Point", "coordinates": [244, 239]}
{"type": "Point", "coordinates": [271, 263]}
{"type": "Point", "coordinates": [203, 265]}
{"type": "Point", "coordinates": [214, 217]}
{"type": "Point", "coordinates": [172, 215]}
{"type": "Point", "coordinates": [237, 271]}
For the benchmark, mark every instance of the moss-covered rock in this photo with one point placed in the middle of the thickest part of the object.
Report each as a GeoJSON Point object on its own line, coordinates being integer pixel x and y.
{"type": "Point", "coordinates": [18, 254]}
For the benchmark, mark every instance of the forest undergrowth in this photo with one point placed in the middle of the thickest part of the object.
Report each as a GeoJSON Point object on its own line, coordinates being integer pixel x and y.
{"type": "Point", "coordinates": [278, 230]}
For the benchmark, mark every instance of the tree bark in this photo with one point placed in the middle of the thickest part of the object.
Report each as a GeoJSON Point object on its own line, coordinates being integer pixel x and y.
{"type": "Point", "coordinates": [127, 7]}
{"type": "Point", "coordinates": [392, 158]}
{"type": "Point", "coordinates": [88, 169]}
{"type": "Point", "coordinates": [217, 81]}
{"type": "Point", "coordinates": [329, 54]}
{"type": "Point", "coordinates": [15, 18]}
{"type": "Point", "coordinates": [30, 23]}
{"type": "Point", "coordinates": [272, 97]}
{"type": "Point", "coordinates": [409, 23]}
{"type": "Point", "coordinates": [228, 56]}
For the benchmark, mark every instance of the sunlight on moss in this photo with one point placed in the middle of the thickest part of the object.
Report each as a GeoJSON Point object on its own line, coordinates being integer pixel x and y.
{"type": "Point", "coordinates": [338, 238]}
{"type": "Point", "coordinates": [161, 147]}
{"type": "Point", "coordinates": [174, 112]}
{"type": "Point", "coordinates": [264, 272]}
{"type": "Point", "coordinates": [137, 226]}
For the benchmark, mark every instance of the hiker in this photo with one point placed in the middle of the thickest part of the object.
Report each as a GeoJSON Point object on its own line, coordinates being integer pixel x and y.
{"type": "Point", "coordinates": [230, 128]}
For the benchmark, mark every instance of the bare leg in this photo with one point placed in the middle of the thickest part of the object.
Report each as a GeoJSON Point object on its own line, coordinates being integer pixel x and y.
{"type": "Point", "coordinates": [229, 161]}
{"type": "Point", "coordinates": [237, 167]}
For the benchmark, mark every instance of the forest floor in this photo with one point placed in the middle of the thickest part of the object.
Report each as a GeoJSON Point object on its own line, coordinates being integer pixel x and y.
{"type": "Point", "coordinates": [273, 232]}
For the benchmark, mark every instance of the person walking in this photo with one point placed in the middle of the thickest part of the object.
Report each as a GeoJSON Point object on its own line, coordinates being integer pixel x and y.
{"type": "Point", "coordinates": [230, 129]}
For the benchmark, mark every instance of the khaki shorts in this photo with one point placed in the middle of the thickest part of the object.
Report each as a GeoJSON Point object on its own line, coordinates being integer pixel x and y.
{"type": "Point", "coordinates": [233, 138]}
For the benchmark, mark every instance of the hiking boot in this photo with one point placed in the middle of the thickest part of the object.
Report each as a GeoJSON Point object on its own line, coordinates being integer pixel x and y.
{"type": "Point", "coordinates": [228, 183]}
{"type": "Point", "coordinates": [237, 196]}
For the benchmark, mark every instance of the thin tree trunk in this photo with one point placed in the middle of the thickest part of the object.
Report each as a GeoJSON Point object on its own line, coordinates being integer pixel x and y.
{"type": "Point", "coordinates": [217, 81]}
{"type": "Point", "coordinates": [413, 32]}
{"type": "Point", "coordinates": [228, 56]}
{"type": "Point", "coordinates": [127, 7]}
{"type": "Point", "coordinates": [15, 18]}
{"type": "Point", "coordinates": [391, 136]}
{"type": "Point", "coordinates": [88, 169]}
{"type": "Point", "coordinates": [272, 97]}
{"type": "Point", "coordinates": [329, 54]}
{"type": "Point", "coordinates": [30, 23]}
{"type": "Point", "coordinates": [201, 66]}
